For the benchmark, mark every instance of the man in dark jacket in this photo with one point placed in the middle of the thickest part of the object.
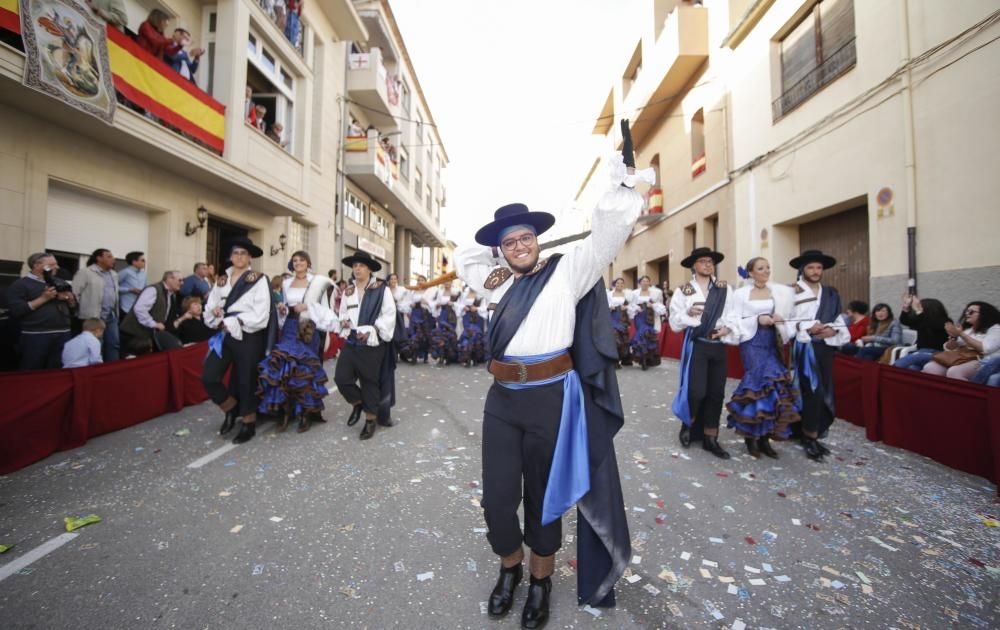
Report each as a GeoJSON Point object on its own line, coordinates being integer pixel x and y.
{"type": "Point", "coordinates": [42, 305]}
{"type": "Point", "coordinates": [145, 327]}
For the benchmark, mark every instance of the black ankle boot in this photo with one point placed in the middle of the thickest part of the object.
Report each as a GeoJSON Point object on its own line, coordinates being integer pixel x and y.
{"type": "Point", "coordinates": [536, 607]}
{"type": "Point", "coordinates": [247, 431]}
{"type": "Point", "coordinates": [502, 596]}
{"type": "Point", "coordinates": [822, 447]}
{"type": "Point", "coordinates": [228, 422]}
{"type": "Point", "coordinates": [764, 445]}
{"type": "Point", "coordinates": [811, 446]}
{"type": "Point", "coordinates": [685, 436]}
{"type": "Point", "coordinates": [304, 423]}
{"type": "Point", "coordinates": [711, 444]}
{"type": "Point", "coordinates": [369, 430]}
{"type": "Point", "coordinates": [355, 416]}
{"type": "Point", "coordinates": [752, 449]}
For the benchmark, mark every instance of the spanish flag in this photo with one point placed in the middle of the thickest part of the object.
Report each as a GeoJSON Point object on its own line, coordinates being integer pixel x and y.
{"type": "Point", "coordinates": [154, 86]}
{"type": "Point", "coordinates": [10, 19]}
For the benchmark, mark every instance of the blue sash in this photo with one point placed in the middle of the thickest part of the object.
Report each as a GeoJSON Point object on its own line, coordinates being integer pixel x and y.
{"type": "Point", "coordinates": [569, 475]}
{"type": "Point", "coordinates": [715, 304]}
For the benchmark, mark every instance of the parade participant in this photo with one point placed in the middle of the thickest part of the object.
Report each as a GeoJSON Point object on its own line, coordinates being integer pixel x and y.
{"type": "Point", "coordinates": [444, 339]}
{"type": "Point", "coordinates": [646, 309]}
{"type": "Point", "coordinates": [818, 333]}
{"type": "Point", "coordinates": [472, 344]}
{"type": "Point", "coordinates": [554, 407]}
{"type": "Point", "coordinates": [765, 401]}
{"type": "Point", "coordinates": [702, 308]}
{"type": "Point", "coordinates": [292, 379]}
{"type": "Point", "coordinates": [618, 303]}
{"type": "Point", "coordinates": [367, 319]}
{"type": "Point", "coordinates": [240, 306]}
{"type": "Point", "coordinates": [418, 332]}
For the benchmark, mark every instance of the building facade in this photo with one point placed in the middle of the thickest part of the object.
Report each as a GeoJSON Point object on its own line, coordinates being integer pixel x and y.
{"type": "Point", "coordinates": [182, 168]}
{"type": "Point", "coordinates": [826, 124]}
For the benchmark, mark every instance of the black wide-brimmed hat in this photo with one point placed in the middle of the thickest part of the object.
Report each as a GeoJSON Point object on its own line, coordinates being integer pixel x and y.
{"type": "Point", "coordinates": [244, 243]}
{"type": "Point", "coordinates": [364, 258]}
{"type": "Point", "coordinates": [811, 256]}
{"type": "Point", "coordinates": [513, 214]}
{"type": "Point", "coordinates": [702, 252]}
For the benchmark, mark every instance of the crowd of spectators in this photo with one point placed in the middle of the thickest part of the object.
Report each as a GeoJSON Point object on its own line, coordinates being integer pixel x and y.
{"type": "Point", "coordinates": [256, 116]}
{"type": "Point", "coordinates": [116, 314]}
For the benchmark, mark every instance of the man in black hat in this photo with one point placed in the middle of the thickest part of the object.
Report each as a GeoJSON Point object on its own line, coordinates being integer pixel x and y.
{"type": "Point", "coordinates": [367, 319]}
{"type": "Point", "coordinates": [815, 323]}
{"type": "Point", "coordinates": [554, 407]}
{"type": "Point", "coordinates": [239, 305]}
{"type": "Point", "coordinates": [702, 308]}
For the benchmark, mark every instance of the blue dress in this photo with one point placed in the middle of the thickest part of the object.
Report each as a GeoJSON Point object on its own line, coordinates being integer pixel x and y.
{"type": "Point", "coordinates": [418, 334]}
{"type": "Point", "coordinates": [765, 401]}
{"type": "Point", "coordinates": [472, 345]}
{"type": "Point", "coordinates": [292, 378]}
{"type": "Point", "coordinates": [444, 339]}
{"type": "Point", "coordinates": [619, 325]}
{"type": "Point", "coordinates": [645, 341]}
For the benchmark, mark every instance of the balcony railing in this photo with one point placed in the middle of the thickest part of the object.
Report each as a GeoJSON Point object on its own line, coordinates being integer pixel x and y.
{"type": "Point", "coordinates": [842, 60]}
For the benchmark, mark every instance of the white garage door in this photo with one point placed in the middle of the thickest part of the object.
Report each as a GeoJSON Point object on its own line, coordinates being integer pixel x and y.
{"type": "Point", "coordinates": [80, 223]}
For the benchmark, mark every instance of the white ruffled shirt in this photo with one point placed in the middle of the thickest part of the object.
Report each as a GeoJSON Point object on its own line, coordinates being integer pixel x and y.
{"type": "Point", "coordinates": [747, 311]}
{"type": "Point", "coordinates": [550, 323]}
{"type": "Point", "coordinates": [681, 303]}
{"type": "Point", "coordinates": [249, 314]}
{"type": "Point", "coordinates": [350, 308]}
{"type": "Point", "coordinates": [805, 310]}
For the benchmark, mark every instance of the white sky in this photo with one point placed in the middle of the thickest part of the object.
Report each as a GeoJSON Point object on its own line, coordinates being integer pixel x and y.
{"type": "Point", "coordinates": [514, 87]}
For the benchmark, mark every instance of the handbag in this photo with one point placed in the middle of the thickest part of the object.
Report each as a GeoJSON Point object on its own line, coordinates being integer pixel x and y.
{"type": "Point", "coordinates": [951, 358]}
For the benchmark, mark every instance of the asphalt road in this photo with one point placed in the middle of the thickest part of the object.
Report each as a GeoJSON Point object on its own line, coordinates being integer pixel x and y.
{"type": "Point", "coordinates": [322, 530]}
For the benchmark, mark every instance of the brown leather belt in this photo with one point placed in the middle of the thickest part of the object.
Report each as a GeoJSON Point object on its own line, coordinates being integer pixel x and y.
{"type": "Point", "coordinates": [520, 372]}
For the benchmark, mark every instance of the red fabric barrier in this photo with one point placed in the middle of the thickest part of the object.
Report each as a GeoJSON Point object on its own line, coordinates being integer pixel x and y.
{"type": "Point", "coordinates": [943, 418]}
{"type": "Point", "coordinates": [35, 418]}
{"type": "Point", "coordinates": [336, 343]}
{"type": "Point", "coordinates": [671, 343]}
{"type": "Point", "coordinates": [54, 410]}
{"type": "Point", "coordinates": [855, 385]}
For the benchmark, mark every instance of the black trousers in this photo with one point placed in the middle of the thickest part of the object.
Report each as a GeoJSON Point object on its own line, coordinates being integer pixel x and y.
{"type": "Point", "coordinates": [707, 383]}
{"type": "Point", "coordinates": [520, 428]}
{"type": "Point", "coordinates": [42, 351]}
{"type": "Point", "coordinates": [817, 416]}
{"type": "Point", "coordinates": [360, 363]}
{"type": "Point", "coordinates": [243, 356]}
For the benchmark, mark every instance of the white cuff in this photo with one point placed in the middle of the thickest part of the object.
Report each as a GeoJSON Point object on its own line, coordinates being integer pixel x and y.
{"type": "Point", "coordinates": [233, 327]}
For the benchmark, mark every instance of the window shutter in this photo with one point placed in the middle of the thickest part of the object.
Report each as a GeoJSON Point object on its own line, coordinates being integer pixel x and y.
{"type": "Point", "coordinates": [798, 53]}
{"type": "Point", "coordinates": [836, 24]}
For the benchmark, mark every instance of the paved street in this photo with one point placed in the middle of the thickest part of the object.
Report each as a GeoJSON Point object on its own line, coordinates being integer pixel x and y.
{"type": "Point", "coordinates": [322, 530]}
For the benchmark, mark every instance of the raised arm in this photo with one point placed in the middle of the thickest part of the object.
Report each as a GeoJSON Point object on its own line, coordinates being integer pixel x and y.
{"type": "Point", "coordinates": [610, 225]}
{"type": "Point", "coordinates": [473, 263]}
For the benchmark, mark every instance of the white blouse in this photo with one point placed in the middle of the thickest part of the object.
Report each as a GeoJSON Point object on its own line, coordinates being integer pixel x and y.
{"type": "Point", "coordinates": [249, 314]}
{"type": "Point", "coordinates": [990, 340]}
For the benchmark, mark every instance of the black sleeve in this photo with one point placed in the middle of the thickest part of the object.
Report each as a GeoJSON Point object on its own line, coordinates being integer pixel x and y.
{"type": "Point", "coordinates": [17, 300]}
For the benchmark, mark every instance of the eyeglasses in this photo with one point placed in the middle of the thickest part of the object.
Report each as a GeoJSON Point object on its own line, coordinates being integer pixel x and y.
{"type": "Point", "coordinates": [509, 244]}
{"type": "Point", "coordinates": [970, 311]}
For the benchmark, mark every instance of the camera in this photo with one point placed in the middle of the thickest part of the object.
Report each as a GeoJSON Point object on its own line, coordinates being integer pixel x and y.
{"type": "Point", "coordinates": [51, 280]}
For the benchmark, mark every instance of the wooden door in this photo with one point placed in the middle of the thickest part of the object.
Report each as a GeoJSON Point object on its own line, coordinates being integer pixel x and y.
{"type": "Point", "coordinates": [845, 237]}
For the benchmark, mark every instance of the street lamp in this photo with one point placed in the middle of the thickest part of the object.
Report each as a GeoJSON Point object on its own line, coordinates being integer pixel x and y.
{"type": "Point", "coordinates": [282, 240]}
{"type": "Point", "coordinates": [202, 217]}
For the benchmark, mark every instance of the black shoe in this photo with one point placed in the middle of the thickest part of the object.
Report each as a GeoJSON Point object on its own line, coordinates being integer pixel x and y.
{"type": "Point", "coordinates": [711, 444]}
{"type": "Point", "coordinates": [536, 607]}
{"type": "Point", "coordinates": [811, 446]}
{"type": "Point", "coordinates": [752, 448]}
{"type": "Point", "coordinates": [386, 422]}
{"type": "Point", "coordinates": [369, 430]}
{"type": "Point", "coordinates": [355, 416]}
{"type": "Point", "coordinates": [247, 431]}
{"type": "Point", "coordinates": [228, 423]}
{"type": "Point", "coordinates": [304, 423]}
{"type": "Point", "coordinates": [764, 444]}
{"type": "Point", "coordinates": [822, 447]}
{"type": "Point", "coordinates": [685, 436]}
{"type": "Point", "coordinates": [502, 596]}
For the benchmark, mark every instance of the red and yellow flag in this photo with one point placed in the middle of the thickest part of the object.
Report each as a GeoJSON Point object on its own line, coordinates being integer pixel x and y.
{"type": "Point", "coordinates": [10, 16]}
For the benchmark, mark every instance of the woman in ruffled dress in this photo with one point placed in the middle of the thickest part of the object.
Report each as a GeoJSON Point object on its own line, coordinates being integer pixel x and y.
{"type": "Point", "coordinates": [618, 303]}
{"type": "Point", "coordinates": [646, 308]}
{"type": "Point", "coordinates": [765, 402]}
{"type": "Point", "coordinates": [444, 339]}
{"type": "Point", "coordinates": [472, 343]}
{"type": "Point", "coordinates": [421, 324]}
{"type": "Point", "coordinates": [292, 379]}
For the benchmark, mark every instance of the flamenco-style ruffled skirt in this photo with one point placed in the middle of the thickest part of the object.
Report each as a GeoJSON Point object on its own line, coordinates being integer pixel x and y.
{"type": "Point", "coordinates": [292, 375]}
{"type": "Point", "coordinates": [619, 325]}
{"type": "Point", "coordinates": [418, 335]}
{"type": "Point", "coordinates": [766, 401]}
{"type": "Point", "coordinates": [472, 344]}
{"type": "Point", "coordinates": [645, 343]}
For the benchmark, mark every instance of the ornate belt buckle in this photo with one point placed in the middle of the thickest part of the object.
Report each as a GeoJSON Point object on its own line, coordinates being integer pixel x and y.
{"type": "Point", "coordinates": [522, 372]}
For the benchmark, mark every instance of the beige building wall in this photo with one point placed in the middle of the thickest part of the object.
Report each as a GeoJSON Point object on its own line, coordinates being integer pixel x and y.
{"type": "Point", "coordinates": [913, 134]}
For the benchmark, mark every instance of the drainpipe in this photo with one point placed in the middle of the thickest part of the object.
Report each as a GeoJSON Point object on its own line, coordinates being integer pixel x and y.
{"type": "Point", "coordinates": [909, 153]}
{"type": "Point", "coordinates": [341, 166]}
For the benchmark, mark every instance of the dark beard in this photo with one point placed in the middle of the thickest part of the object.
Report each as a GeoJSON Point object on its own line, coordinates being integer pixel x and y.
{"type": "Point", "coordinates": [527, 267]}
